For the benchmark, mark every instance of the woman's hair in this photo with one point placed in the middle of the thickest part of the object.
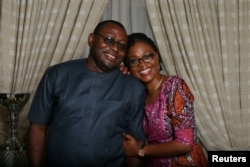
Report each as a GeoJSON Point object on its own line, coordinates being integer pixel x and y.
{"type": "Point", "coordinates": [141, 37]}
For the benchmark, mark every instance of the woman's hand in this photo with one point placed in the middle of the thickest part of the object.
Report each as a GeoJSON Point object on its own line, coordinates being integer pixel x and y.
{"type": "Point", "coordinates": [124, 69]}
{"type": "Point", "coordinates": [131, 146]}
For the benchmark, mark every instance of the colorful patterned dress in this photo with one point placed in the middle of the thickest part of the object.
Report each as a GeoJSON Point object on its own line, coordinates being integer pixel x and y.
{"type": "Point", "coordinates": [175, 100]}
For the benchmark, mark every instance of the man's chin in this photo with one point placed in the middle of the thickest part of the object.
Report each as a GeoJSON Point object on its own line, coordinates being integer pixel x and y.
{"type": "Point", "coordinates": [107, 68]}
{"type": "Point", "coordinates": [111, 65]}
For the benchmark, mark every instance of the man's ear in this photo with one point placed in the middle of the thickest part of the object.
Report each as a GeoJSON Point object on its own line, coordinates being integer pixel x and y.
{"type": "Point", "coordinates": [91, 39]}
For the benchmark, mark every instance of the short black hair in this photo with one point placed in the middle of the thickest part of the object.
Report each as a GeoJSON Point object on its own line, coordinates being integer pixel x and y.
{"type": "Point", "coordinates": [102, 23]}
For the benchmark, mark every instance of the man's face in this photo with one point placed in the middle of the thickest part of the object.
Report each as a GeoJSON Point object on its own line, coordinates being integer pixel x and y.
{"type": "Point", "coordinates": [107, 48]}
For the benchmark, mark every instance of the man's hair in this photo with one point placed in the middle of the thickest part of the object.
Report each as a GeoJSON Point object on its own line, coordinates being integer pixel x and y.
{"type": "Point", "coordinates": [102, 23]}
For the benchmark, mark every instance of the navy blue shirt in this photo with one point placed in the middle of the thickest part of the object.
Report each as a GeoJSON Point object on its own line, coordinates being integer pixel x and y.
{"type": "Point", "coordinates": [87, 114]}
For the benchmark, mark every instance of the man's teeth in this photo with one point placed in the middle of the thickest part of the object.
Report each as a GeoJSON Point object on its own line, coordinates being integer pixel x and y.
{"type": "Point", "coordinates": [111, 56]}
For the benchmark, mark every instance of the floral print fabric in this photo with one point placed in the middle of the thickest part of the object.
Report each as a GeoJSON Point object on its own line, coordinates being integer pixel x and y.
{"type": "Point", "coordinates": [175, 100]}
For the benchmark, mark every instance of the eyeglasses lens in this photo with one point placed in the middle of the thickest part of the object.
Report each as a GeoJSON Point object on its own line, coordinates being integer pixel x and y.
{"type": "Point", "coordinates": [146, 59]}
{"type": "Point", "coordinates": [111, 42]}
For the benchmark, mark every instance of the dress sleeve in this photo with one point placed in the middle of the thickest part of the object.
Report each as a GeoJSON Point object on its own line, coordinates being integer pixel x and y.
{"type": "Point", "coordinates": [183, 119]}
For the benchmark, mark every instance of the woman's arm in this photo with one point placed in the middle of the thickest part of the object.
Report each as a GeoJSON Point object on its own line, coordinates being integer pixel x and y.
{"type": "Point", "coordinates": [167, 149]}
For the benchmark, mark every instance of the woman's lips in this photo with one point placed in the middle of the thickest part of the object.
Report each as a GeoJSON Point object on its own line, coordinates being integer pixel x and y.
{"type": "Point", "coordinates": [145, 71]}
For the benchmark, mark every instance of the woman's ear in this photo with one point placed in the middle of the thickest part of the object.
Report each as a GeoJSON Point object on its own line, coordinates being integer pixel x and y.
{"type": "Point", "coordinates": [159, 60]}
{"type": "Point", "coordinates": [158, 56]}
{"type": "Point", "coordinates": [91, 39]}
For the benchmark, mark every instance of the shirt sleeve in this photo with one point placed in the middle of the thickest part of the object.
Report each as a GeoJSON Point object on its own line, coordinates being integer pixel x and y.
{"type": "Point", "coordinates": [135, 116]}
{"type": "Point", "coordinates": [183, 116]}
{"type": "Point", "coordinates": [40, 110]}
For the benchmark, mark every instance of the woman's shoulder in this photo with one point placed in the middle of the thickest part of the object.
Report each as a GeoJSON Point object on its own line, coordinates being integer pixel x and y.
{"type": "Point", "coordinates": [171, 83]}
{"type": "Point", "coordinates": [174, 78]}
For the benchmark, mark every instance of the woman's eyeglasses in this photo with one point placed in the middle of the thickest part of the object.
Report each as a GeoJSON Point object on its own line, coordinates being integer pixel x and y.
{"type": "Point", "coordinates": [111, 42]}
{"type": "Point", "coordinates": [136, 61]}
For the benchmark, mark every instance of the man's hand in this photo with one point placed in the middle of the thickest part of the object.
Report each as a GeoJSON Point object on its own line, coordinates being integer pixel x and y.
{"type": "Point", "coordinates": [131, 146]}
{"type": "Point", "coordinates": [124, 69]}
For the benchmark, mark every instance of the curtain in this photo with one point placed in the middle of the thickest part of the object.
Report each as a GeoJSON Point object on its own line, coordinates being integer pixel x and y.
{"type": "Point", "coordinates": [131, 13]}
{"type": "Point", "coordinates": [207, 44]}
{"type": "Point", "coordinates": [35, 35]}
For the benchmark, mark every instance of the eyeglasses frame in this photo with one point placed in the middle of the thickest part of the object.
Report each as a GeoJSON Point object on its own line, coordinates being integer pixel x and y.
{"type": "Point", "coordinates": [110, 41]}
{"type": "Point", "coordinates": [143, 59]}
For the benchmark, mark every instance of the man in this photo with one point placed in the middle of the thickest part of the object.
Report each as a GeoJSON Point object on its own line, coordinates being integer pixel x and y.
{"type": "Point", "coordinates": [82, 108]}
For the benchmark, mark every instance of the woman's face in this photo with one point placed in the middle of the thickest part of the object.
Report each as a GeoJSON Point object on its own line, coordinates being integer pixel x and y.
{"type": "Point", "coordinates": [144, 71]}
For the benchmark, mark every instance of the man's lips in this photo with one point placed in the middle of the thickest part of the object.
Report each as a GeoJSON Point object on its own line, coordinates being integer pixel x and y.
{"type": "Point", "coordinates": [110, 57]}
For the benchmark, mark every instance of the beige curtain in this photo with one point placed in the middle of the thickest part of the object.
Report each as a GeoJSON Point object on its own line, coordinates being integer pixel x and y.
{"type": "Point", "coordinates": [36, 34]}
{"type": "Point", "coordinates": [206, 42]}
{"type": "Point", "coordinates": [131, 13]}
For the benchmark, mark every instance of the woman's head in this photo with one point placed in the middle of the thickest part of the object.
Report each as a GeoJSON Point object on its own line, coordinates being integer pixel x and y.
{"type": "Point", "coordinates": [143, 57]}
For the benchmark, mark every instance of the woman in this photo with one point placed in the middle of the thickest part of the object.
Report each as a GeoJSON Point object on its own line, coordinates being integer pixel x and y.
{"type": "Point", "coordinates": [169, 121]}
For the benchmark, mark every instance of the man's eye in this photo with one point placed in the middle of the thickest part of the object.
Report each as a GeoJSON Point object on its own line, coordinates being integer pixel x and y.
{"type": "Point", "coordinates": [109, 40]}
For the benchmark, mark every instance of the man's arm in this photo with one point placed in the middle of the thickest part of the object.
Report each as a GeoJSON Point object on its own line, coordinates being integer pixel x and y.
{"type": "Point", "coordinates": [131, 148]}
{"type": "Point", "coordinates": [134, 162]}
{"type": "Point", "coordinates": [36, 144]}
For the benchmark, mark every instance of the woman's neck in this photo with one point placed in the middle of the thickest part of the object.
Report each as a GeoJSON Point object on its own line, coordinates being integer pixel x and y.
{"type": "Point", "coordinates": [154, 87]}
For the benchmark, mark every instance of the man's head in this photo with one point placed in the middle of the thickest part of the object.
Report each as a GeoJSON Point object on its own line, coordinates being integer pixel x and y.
{"type": "Point", "coordinates": [107, 45]}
